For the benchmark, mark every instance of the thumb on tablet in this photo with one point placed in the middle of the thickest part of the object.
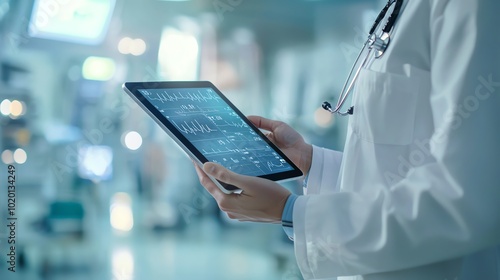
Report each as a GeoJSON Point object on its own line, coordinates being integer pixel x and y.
{"type": "Point", "coordinates": [262, 200]}
{"type": "Point", "coordinates": [223, 174]}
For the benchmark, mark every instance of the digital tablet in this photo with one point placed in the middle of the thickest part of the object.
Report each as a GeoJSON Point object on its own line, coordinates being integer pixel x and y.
{"type": "Point", "coordinates": [208, 127]}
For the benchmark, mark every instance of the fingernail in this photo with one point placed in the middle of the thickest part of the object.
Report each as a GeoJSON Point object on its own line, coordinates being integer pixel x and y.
{"type": "Point", "coordinates": [210, 168]}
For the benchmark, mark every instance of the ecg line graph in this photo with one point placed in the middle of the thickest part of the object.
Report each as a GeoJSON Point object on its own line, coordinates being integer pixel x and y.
{"type": "Point", "coordinates": [191, 109]}
{"type": "Point", "coordinates": [175, 97]}
{"type": "Point", "coordinates": [216, 130]}
{"type": "Point", "coordinates": [234, 124]}
{"type": "Point", "coordinates": [193, 128]}
{"type": "Point", "coordinates": [219, 151]}
{"type": "Point", "coordinates": [271, 165]}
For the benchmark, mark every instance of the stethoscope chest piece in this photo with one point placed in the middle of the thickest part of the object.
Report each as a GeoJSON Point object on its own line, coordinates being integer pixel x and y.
{"type": "Point", "coordinates": [379, 44]}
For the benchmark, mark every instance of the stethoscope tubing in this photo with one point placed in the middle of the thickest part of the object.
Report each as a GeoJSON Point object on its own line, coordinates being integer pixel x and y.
{"type": "Point", "coordinates": [380, 44]}
{"type": "Point", "coordinates": [345, 92]}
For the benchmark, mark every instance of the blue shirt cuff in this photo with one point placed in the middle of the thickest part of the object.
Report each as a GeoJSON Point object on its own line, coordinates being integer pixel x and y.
{"type": "Point", "coordinates": [287, 216]}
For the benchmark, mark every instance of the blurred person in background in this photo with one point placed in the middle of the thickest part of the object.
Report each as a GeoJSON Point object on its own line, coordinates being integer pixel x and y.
{"type": "Point", "coordinates": [415, 194]}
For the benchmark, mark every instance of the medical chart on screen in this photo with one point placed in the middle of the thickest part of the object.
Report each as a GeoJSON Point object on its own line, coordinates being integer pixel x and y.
{"type": "Point", "coordinates": [216, 130]}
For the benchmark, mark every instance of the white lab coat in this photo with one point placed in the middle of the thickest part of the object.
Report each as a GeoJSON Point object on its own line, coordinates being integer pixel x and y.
{"type": "Point", "coordinates": [418, 186]}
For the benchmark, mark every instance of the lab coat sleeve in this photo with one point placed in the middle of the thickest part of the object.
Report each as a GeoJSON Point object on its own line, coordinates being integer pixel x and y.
{"type": "Point", "coordinates": [446, 208]}
{"type": "Point", "coordinates": [324, 171]}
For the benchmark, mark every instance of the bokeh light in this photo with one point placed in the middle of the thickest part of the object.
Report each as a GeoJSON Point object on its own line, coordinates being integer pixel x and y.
{"type": "Point", "coordinates": [133, 140]}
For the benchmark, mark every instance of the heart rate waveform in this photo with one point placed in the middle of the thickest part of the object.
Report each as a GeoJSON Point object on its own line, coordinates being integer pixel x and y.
{"type": "Point", "coordinates": [190, 109]}
{"type": "Point", "coordinates": [239, 124]}
{"type": "Point", "coordinates": [273, 166]}
{"type": "Point", "coordinates": [193, 127]}
{"type": "Point", "coordinates": [219, 151]}
{"type": "Point", "coordinates": [179, 96]}
{"type": "Point", "coordinates": [228, 120]}
{"type": "Point", "coordinates": [216, 130]}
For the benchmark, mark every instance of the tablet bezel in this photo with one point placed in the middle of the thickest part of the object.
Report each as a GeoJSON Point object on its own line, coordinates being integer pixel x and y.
{"type": "Point", "coordinates": [132, 88]}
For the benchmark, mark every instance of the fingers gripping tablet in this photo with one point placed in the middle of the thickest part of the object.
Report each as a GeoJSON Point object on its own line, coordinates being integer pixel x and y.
{"type": "Point", "coordinates": [205, 124]}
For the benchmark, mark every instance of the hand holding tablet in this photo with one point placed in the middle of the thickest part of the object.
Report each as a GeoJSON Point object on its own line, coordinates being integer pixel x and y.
{"type": "Point", "coordinates": [208, 127]}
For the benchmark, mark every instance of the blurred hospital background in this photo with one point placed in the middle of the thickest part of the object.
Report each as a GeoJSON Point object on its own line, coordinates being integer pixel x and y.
{"type": "Point", "coordinates": [101, 191]}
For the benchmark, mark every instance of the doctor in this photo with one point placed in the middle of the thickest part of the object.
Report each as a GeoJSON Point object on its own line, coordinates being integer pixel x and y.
{"type": "Point", "coordinates": [416, 193]}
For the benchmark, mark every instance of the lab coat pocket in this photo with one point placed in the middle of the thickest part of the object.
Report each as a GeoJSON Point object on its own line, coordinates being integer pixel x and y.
{"type": "Point", "coordinates": [385, 107]}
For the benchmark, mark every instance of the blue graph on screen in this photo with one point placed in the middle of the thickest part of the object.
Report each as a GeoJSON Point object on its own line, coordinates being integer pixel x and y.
{"type": "Point", "coordinates": [213, 127]}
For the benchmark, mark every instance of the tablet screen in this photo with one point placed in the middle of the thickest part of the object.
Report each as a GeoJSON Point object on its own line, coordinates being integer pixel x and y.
{"type": "Point", "coordinates": [216, 130]}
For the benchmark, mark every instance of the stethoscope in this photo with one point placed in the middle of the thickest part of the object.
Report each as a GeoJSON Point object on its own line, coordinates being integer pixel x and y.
{"type": "Point", "coordinates": [375, 43]}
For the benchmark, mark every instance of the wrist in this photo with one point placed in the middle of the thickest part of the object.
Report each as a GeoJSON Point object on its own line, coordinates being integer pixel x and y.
{"type": "Point", "coordinates": [306, 159]}
{"type": "Point", "coordinates": [287, 216]}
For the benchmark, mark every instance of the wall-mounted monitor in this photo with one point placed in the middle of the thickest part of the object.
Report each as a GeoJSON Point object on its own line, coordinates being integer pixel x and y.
{"type": "Point", "coordinates": [82, 21]}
